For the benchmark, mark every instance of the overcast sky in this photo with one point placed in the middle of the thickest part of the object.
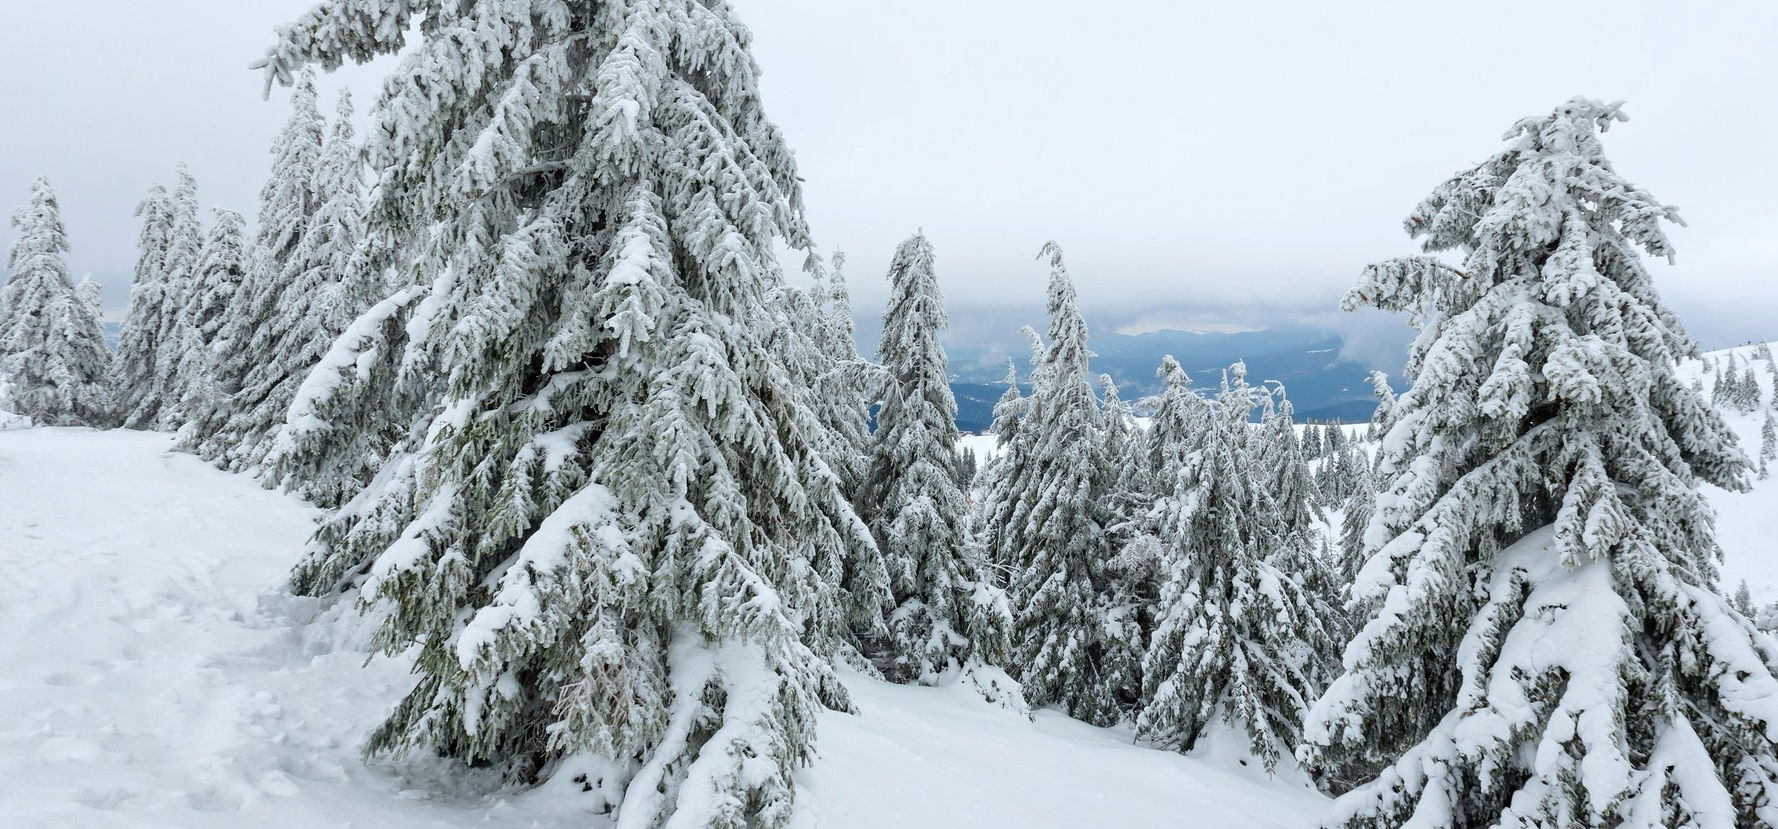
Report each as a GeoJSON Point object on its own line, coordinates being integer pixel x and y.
{"type": "Point", "coordinates": [1205, 165]}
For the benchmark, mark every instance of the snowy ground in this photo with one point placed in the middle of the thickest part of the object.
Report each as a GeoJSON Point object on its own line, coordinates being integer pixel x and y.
{"type": "Point", "coordinates": [1747, 522]}
{"type": "Point", "coordinates": [157, 676]}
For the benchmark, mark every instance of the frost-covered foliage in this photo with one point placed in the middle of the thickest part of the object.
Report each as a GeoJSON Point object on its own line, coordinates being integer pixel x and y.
{"type": "Point", "coordinates": [610, 526]}
{"type": "Point", "coordinates": [52, 350]}
{"type": "Point", "coordinates": [1049, 518]}
{"type": "Point", "coordinates": [1239, 635]}
{"type": "Point", "coordinates": [1354, 523]}
{"type": "Point", "coordinates": [302, 290]}
{"type": "Point", "coordinates": [813, 339]}
{"type": "Point", "coordinates": [843, 379]}
{"type": "Point", "coordinates": [216, 279]}
{"type": "Point", "coordinates": [286, 200]}
{"type": "Point", "coordinates": [946, 614]}
{"type": "Point", "coordinates": [1768, 442]}
{"type": "Point", "coordinates": [1546, 645]}
{"type": "Point", "coordinates": [135, 366]}
{"type": "Point", "coordinates": [179, 287]}
{"type": "Point", "coordinates": [1383, 417]}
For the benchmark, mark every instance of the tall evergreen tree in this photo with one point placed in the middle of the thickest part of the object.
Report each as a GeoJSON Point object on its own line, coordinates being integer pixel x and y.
{"type": "Point", "coordinates": [1312, 446]}
{"type": "Point", "coordinates": [611, 532]}
{"type": "Point", "coordinates": [1546, 643]}
{"type": "Point", "coordinates": [1001, 478]}
{"type": "Point", "coordinates": [946, 614]}
{"type": "Point", "coordinates": [1148, 471]}
{"type": "Point", "coordinates": [303, 301]}
{"type": "Point", "coordinates": [1768, 441]}
{"type": "Point", "coordinates": [1354, 523]}
{"type": "Point", "coordinates": [179, 288]}
{"type": "Point", "coordinates": [319, 297]}
{"type": "Point", "coordinates": [844, 378]}
{"type": "Point", "coordinates": [52, 348]}
{"type": "Point", "coordinates": [1232, 624]}
{"type": "Point", "coordinates": [136, 362]}
{"type": "Point", "coordinates": [1054, 541]}
{"type": "Point", "coordinates": [265, 305]}
{"type": "Point", "coordinates": [216, 281]}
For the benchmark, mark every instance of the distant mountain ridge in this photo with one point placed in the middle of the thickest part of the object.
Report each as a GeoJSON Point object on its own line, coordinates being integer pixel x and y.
{"type": "Point", "coordinates": [1321, 384]}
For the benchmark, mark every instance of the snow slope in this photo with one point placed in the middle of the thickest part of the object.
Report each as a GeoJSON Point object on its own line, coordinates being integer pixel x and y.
{"type": "Point", "coordinates": [157, 675]}
{"type": "Point", "coordinates": [1746, 522]}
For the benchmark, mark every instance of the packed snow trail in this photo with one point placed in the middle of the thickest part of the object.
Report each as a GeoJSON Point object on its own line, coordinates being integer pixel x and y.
{"type": "Point", "coordinates": [158, 675]}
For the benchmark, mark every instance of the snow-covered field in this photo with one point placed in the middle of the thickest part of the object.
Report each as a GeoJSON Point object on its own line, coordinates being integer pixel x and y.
{"type": "Point", "coordinates": [157, 675]}
{"type": "Point", "coordinates": [1747, 522]}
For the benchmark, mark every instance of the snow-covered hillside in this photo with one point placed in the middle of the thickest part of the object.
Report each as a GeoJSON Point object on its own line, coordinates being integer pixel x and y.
{"type": "Point", "coordinates": [158, 675]}
{"type": "Point", "coordinates": [1747, 522]}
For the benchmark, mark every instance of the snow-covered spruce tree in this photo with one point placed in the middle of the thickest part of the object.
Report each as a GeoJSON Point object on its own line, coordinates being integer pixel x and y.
{"type": "Point", "coordinates": [178, 284]}
{"type": "Point", "coordinates": [1546, 644]}
{"type": "Point", "coordinates": [611, 533]}
{"type": "Point", "coordinates": [1000, 479]}
{"type": "Point", "coordinates": [136, 362]}
{"type": "Point", "coordinates": [1052, 539]}
{"type": "Point", "coordinates": [325, 293]}
{"type": "Point", "coordinates": [1742, 601]}
{"type": "Point", "coordinates": [1131, 586]}
{"type": "Point", "coordinates": [52, 348]}
{"type": "Point", "coordinates": [216, 280]}
{"type": "Point", "coordinates": [816, 348]}
{"type": "Point", "coordinates": [845, 380]}
{"type": "Point", "coordinates": [1286, 512]}
{"type": "Point", "coordinates": [248, 369]}
{"type": "Point", "coordinates": [946, 615]}
{"type": "Point", "coordinates": [1383, 417]}
{"type": "Point", "coordinates": [1232, 627]}
{"type": "Point", "coordinates": [1147, 473]}
{"type": "Point", "coordinates": [1354, 523]}
{"type": "Point", "coordinates": [1277, 461]}
{"type": "Point", "coordinates": [1768, 439]}
{"type": "Point", "coordinates": [301, 303]}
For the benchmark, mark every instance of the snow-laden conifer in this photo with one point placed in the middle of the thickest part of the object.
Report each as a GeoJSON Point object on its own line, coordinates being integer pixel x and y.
{"type": "Point", "coordinates": [1312, 447]}
{"type": "Point", "coordinates": [52, 347]}
{"type": "Point", "coordinates": [844, 379]}
{"type": "Point", "coordinates": [946, 614]}
{"type": "Point", "coordinates": [1546, 644]}
{"type": "Point", "coordinates": [1354, 523]}
{"type": "Point", "coordinates": [1052, 514]}
{"type": "Point", "coordinates": [611, 529]}
{"type": "Point", "coordinates": [1768, 441]}
{"type": "Point", "coordinates": [216, 280]}
{"type": "Point", "coordinates": [1000, 479]}
{"type": "Point", "coordinates": [135, 365]}
{"type": "Point", "coordinates": [251, 369]}
{"type": "Point", "coordinates": [301, 299]}
{"type": "Point", "coordinates": [1232, 626]}
{"type": "Point", "coordinates": [178, 287]}
{"type": "Point", "coordinates": [1287, 514]}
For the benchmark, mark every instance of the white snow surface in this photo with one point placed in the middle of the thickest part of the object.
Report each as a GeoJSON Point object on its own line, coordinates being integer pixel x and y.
{"type": "Point", "coordinates": [158, 675]}
{"type": "Point", "coordinates": [1746, 522]}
